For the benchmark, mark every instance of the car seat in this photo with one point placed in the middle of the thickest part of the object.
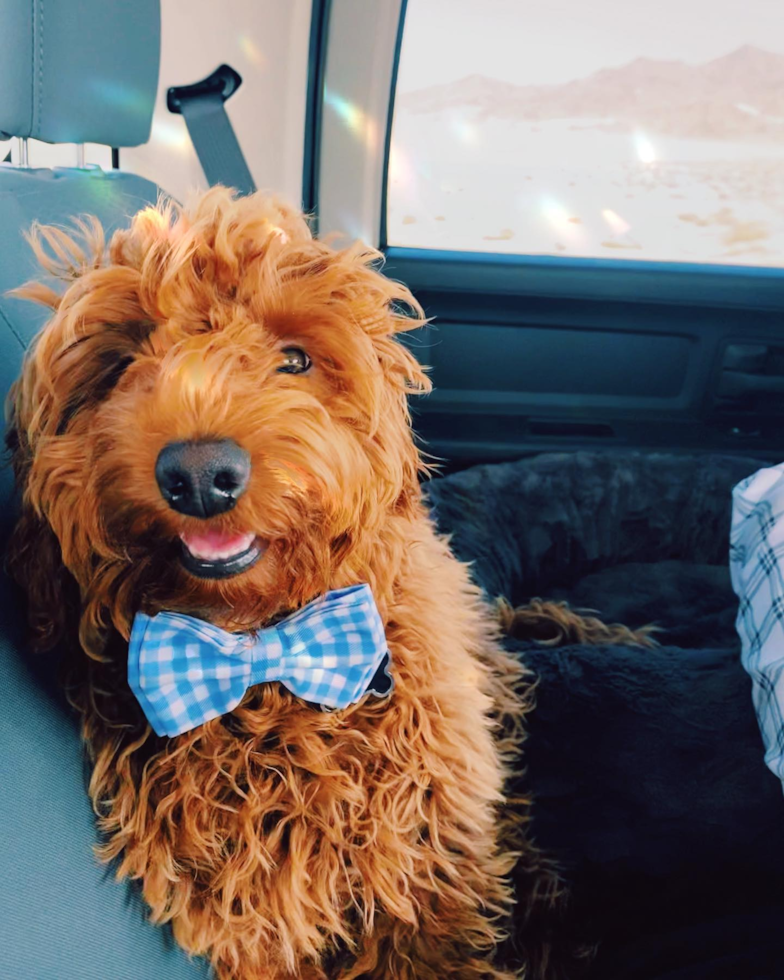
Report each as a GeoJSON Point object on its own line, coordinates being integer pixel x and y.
{"type": "Point", "coordinates": [71, 71]}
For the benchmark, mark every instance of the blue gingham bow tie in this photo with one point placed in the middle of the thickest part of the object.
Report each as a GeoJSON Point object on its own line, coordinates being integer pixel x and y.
{"type": "Point", "coordinates": [185, 671]}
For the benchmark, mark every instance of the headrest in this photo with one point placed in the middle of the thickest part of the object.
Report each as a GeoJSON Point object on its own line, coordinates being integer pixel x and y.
{"type": "Point", "coordinates": [79, 71]}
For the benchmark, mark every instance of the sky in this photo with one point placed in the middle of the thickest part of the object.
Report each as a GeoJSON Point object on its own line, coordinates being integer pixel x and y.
{"type": "Point", "coordinates": [550, 41]}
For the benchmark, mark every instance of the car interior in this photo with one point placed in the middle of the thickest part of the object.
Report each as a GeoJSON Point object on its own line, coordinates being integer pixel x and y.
{"type": "Point", "coordinates": [606, 301]}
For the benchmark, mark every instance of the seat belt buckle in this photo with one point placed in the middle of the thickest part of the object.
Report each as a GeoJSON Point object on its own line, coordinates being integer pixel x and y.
{"type": "Point", "coordinates": [224, 81]}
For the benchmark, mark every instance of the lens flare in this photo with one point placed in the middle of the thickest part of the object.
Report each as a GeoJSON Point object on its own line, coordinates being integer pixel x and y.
{"type": "Point", "coordinates": [565, 226]}
{"type": "Point", "coordinates": [464, 131]}
{"type": "Point", "coordinates": [290, 474]}
{"type": "Point", "coordinates": [351, 114]}
{"type": "Point", "coordinates": [617, 225]}
{"type": "Point", "coordinates": [170, 134]}
{"type": "Point", "coordinates": [357, 121]}
{"type": "Point", "coordinates": [646, 151]}
{"type": "Point", "coordinates": [120, 96]}
{"type": "Point", "coordinates": [554, 211]}
{"type": "Point", "coordinates": [371, 133]}
{"type": "Point", "coordinates": [400, 168]}
{"type": "Point", "coordinates": [558, 217]}
{"type": "Point", "coordinates": [251, 50]}
{"type": "Point", "coordinates": [192, 374]}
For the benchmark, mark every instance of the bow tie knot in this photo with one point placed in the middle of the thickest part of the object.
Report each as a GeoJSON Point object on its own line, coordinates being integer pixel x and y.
{"type": "Point", "coordinates": [185, 671]}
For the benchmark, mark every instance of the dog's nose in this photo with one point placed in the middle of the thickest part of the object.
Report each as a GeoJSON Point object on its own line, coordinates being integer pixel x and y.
{"type": "Point", "coordinates": [202, 479]}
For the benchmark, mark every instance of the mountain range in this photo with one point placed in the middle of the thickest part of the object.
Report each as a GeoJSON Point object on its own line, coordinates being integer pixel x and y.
{"type": "Point", "coordinates": [738, 95]}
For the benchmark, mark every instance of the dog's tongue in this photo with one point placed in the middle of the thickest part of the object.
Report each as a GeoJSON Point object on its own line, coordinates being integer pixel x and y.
{"type": "Point", "coordinates": [213, 544]}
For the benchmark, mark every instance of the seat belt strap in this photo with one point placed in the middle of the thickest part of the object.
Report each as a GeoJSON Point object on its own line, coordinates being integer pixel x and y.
{"type": "Point", "coordinates": [212, 134]}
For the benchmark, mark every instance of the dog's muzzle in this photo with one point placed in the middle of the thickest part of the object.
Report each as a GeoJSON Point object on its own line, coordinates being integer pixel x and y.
{"type": "Point", "coordinates": [204, 479]}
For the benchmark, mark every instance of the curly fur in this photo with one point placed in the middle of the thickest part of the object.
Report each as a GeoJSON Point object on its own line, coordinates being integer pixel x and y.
{"type": "Point", "coordinates": [557, 624]}
{"type": "Point", "coordinates": [279, 841]}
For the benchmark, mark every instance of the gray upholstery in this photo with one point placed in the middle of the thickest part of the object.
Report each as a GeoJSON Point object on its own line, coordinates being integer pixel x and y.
{"type": "Point", "coordinates": [79, 71]}
{"type": "Point", "coordinates": [53, 196]}
{"type": "Point", "coordinates": [62, 915]}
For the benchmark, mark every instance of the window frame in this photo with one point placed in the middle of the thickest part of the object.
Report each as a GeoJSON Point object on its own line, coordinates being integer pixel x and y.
{"type": "Point", "coordinates": [355, 78]}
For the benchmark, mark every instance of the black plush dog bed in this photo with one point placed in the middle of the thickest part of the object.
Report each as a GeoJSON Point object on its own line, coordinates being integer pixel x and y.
{"type": "Point", "coordinates": [646, 765]}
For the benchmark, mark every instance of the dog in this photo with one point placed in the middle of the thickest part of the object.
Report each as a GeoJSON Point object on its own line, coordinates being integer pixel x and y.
{"type": "Point", "coordinates": [277, 839]}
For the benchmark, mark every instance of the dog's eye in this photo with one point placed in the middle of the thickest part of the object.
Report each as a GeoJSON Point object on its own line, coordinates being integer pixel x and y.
{"type": "Point", "coordinates": [295, 361]}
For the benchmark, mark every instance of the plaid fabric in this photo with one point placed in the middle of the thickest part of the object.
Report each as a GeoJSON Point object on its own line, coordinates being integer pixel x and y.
{"type": "Point", "coordinates": [757, 572]}
{"type": "Point", "coordinates": [185, 671]}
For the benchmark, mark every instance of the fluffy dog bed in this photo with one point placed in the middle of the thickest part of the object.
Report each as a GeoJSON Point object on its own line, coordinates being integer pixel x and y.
{"type": "Point", "coordinates": [646, 765]}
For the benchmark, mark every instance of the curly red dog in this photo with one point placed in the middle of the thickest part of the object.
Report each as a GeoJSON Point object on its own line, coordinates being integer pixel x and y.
{"type": "Point", "coordinates": [278, 840]}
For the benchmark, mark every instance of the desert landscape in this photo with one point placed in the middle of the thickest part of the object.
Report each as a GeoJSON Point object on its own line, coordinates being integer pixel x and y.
{"type": "Point", "coordinates": [652, 160]}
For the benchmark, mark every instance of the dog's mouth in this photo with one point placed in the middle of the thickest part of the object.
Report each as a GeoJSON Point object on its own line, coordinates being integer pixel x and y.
{"type": "Point", "coordinates": [219, 554]}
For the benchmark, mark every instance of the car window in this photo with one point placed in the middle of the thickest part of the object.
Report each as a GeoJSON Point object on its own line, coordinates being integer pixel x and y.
{"type": "Point", "coordinates": [609, 129]}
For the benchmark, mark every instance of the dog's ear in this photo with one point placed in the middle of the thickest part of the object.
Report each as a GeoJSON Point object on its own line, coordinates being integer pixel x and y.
{"type": "Point", "coordinates": [89, 341]}
{"type": "Point", "coordinates": [96, 327]}
{"type": "Point", "coordinates": [400, 365]}
{"type": "Point", "coordinates": [33, 555]}
{"type": "Point", "coordinates": [34, 561]}
{"type": "Point", "coordinates": [385, 308]}
{"type": "Point", "coordinates": [49, 392]}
